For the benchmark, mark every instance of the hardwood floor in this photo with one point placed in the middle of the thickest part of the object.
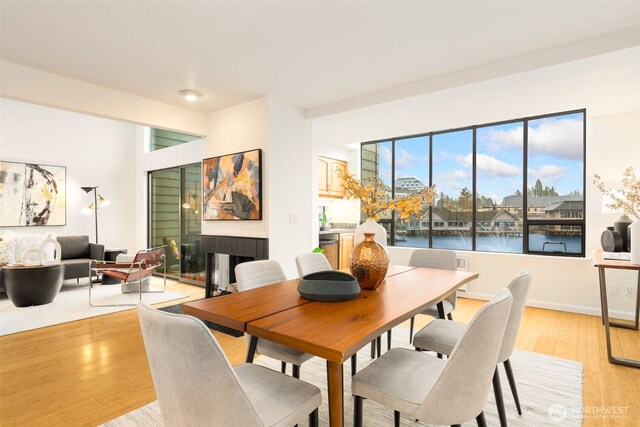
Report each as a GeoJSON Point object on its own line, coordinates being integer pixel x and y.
{"type": "Point", "coordinates": [93, 370]}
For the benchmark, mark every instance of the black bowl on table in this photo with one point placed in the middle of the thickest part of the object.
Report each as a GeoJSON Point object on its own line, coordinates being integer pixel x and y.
{"type": "Point", "coordinates": [328, 286]}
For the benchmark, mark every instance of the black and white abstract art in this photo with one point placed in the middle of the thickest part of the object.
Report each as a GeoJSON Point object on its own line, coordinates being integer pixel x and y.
{"type": "Point", "coordinates": [32, 194]}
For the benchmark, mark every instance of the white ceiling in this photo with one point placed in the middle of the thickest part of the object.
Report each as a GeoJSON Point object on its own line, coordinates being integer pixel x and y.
{"type": "Point", "coordinates": [318, 55]}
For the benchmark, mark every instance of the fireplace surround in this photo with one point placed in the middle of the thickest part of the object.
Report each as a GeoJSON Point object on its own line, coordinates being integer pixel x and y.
{"type": "Point", "coordinates": [239, 249]}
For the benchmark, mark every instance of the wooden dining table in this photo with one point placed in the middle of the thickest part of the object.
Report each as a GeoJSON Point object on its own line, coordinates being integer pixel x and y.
{"type": "Point", "coordinates": [334, 331]}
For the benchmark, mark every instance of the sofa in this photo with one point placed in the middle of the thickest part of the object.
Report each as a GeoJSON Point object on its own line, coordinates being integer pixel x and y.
{"type": "Point", "coordinates": [76, 253]}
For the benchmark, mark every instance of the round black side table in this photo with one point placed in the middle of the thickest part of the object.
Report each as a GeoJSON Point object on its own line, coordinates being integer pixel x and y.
{"type": "Point", "coordinates": [32, 285]}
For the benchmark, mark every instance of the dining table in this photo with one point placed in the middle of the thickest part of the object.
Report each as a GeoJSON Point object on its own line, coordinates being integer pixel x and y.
{"type": "Point", "coordinates": [333, 331]}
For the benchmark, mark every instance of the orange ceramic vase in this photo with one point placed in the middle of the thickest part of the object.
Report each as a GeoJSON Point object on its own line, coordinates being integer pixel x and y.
{"type": "Point", "coordinates": [369, 262]}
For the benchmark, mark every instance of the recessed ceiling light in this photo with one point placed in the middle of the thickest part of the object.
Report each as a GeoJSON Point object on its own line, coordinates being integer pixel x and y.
{"type": "Point", "coordinates": [190, 95]}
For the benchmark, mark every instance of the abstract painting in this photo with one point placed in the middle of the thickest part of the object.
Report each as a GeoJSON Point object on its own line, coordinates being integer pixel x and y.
{"type": "Point", "coordinates": [232, 186]}
{"type": "Point", "coordinates": [32, 194]}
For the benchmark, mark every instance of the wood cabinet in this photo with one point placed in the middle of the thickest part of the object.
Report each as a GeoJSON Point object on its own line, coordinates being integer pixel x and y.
{"type": "Point", "coordinates": [346, 247]}
{"type": "Point", "coordinates": [329, 181]}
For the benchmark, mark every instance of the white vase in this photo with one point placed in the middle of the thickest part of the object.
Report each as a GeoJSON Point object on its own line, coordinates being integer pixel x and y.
{"type": "Point", "coordinates": [45, 259]}
{"type": "Point", "coordinates": [371, 226]}
{"type": "Point", "coordinates": [635, 241]}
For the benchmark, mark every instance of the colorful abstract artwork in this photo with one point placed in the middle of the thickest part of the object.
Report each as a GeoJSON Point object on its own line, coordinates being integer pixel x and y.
{"type": "Point", "coordinates": [232, 186]}
{"type": "Point", "coordinates": [32, 194]}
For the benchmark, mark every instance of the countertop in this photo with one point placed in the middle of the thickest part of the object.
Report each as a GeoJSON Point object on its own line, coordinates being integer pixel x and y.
{"type": "Point", "coordinates": [337, 231]}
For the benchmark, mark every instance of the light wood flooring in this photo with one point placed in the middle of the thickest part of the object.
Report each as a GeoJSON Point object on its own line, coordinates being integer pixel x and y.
{"type": "Point", "coordinates": [90, 371]}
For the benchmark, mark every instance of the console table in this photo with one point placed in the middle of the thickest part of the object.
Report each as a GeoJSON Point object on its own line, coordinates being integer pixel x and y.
{"type": "Point", "coordinates": [603, 264]}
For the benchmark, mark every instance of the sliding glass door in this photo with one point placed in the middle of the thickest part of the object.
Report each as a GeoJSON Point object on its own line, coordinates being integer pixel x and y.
{"type": "Point", "coordinates": [175, 214]}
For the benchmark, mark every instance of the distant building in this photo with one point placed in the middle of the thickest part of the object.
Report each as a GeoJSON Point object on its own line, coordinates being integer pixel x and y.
{"type": "Point", "coordinates": [409, 184]}
{"type": "Point", "coordinates": [536, 205]}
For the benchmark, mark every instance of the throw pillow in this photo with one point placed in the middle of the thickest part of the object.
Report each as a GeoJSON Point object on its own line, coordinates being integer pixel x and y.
{"type": "Point", "coordinates": [8, 248]}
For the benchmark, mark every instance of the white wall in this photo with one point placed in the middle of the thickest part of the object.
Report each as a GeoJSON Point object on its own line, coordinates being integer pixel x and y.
{"type": "Point", "coordinates": [63, 94]}
{"type": "Point", "coordinates": [608, 86]}
{"type": "Point", "coordinates": [291, 183]}
{"type": "Point", "coordinates": [285, 139]}
{"type": "Point", "coordinates": [30, 85]}
{"type": "Point", "coordinates": [95, 151]}
{"type": "Point", "coordinates": [241, 128]}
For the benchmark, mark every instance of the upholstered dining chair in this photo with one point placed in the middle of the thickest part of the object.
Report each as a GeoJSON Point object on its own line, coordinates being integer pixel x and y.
{"type": "Point", "coordinates": [197, 386]}
{"type": "Point", "coordinates": [312, 262]}
{"type": "Point", "coordinates": [255, 274]}
{"type": "Point", "coordinates": [441, 336]}
{"type": "Point", "coordinates": [435, 258]}
{"type": "Point", "coordinates": [433, 390]}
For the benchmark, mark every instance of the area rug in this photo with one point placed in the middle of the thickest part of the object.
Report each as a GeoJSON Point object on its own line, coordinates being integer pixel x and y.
{"type": "Point", "coordinates": [550, 391]}
{"type": "Point", "coordinates": [72, 303]}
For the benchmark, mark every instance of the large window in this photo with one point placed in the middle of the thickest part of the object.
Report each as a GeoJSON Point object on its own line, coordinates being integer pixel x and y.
{"type": "Point", "coordinates": [515, 186]}
{"type": "Point", "coordinates": [160, 138]}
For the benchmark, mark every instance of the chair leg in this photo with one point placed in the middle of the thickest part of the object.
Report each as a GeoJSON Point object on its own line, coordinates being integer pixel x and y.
{"type": "Point", "coordinates": [512, 384]}
{"type": "Point", "coordinates": [396, 419]}
{"type": "Point", "coordinates": [313, 418]}
{"type": "Point", "coordinates": [379, 345]}
{"type": "Point", "coordinates": [295, 371]}
{"type": "Point", "coordinates": [497, 390]}
{"type": "Point", "coordinates": [373, 349]}
{"type": "Point", "coordinates": [357, 411]}
{"type": "Point", "coordinates": [413, 319]}
{"type": "Point", "coordinates": [283, 367]}
{"type": "Point", "coordinates": [354, 363]}
{"type": "Point", "coordinates": [389, 340]}
{"type": "Point", "coordinates": [481, 421]}
{"type": "Point", "coordinates": [449, 316]}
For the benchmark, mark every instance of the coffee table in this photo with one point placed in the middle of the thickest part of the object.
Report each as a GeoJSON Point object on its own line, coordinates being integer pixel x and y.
{"type": "Point", "coordinates": [32, 285]}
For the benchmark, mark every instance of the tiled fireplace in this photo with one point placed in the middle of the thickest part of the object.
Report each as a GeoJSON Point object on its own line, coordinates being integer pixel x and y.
{"type": "Point", "coordinates": [238, 249]}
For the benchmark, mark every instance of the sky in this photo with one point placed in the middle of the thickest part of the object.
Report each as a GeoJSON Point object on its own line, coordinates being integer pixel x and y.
{"type": "Point", "coordinates": [555, 157]}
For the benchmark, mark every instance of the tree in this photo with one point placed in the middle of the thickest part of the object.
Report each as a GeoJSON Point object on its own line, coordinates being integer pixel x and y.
{"type": "Point", "coordinates": [464, 200]}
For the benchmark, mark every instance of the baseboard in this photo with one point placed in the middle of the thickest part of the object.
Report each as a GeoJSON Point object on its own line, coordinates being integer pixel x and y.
{"type": "Point", "coordinates": [592, 311]}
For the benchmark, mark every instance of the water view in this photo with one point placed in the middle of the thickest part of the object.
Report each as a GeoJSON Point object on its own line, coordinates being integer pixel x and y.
{"type": "Point", "coordinates": [494, 243]}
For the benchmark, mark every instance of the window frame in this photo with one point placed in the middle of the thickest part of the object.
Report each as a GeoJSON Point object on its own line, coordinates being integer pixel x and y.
{"type": "Point", "coordinates": [526, 222]}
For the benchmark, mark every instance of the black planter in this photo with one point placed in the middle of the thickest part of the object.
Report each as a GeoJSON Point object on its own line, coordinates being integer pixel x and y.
{"type": "Point", "coordinates": [622, 226]}
{"type": "Point", "coordinates": [328, 286]}
{"type": "Point", "coordinates": [37, 285]}
{"type": "Point", "coordinates": [611, 240]}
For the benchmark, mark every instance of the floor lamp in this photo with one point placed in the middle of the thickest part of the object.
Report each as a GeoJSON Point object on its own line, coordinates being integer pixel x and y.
{"type": "Point", "coordinates": [98, 201]}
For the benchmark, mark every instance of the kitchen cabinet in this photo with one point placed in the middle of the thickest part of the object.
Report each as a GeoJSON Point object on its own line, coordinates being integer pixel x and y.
{"type": "Point", "coordinates": [345, 248]}
{"type": "Point", "coordinates": [329, 181]}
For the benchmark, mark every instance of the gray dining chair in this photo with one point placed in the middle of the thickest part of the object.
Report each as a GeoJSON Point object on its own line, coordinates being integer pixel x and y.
{"type": "Point", "coordinates": [197, 386]}
{"type": "Point", "coordinates": [255, 274]}
{"type": "Point", "coordinates": [312, 262]}
{"type": "Point", "coordinates": [441, 336]}
{"type": "Point", "coordinates": [433, 390]}
{"type": "Point", "coordinates": [435, 258]}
